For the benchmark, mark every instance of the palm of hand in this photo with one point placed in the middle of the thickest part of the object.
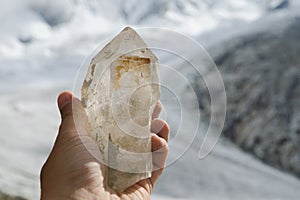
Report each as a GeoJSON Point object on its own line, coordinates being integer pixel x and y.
{"type": "Point", "coordinates": [71, 172]}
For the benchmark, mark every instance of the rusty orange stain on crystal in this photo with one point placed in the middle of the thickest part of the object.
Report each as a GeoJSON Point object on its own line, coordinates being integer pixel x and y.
{"type": "Point", "coordinates": [127, 63]}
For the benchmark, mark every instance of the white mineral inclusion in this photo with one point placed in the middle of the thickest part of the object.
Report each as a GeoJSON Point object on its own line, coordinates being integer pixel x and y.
{"type": "Point", "coordinates": [119, 93]}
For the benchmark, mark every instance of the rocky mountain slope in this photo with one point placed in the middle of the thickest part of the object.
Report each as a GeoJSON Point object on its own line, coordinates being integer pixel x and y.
{"type": "Point", "coordinates": [9, 197]}
{"type": "Point", "coordinates": [261, 72]}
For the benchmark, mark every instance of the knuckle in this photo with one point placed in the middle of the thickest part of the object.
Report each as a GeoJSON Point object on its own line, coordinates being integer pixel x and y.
{"type": "Point", "coordinates": [67, 114]}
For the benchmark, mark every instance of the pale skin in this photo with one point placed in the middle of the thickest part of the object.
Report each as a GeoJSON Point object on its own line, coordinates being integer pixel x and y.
{"type": "Point", "coordinates": [72, 172]}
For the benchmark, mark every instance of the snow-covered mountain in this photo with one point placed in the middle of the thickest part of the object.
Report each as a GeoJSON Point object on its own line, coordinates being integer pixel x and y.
{"type": "Point", "coordinates": [57, 21]}
{"type": "Point", "coordinates": [41, 28]}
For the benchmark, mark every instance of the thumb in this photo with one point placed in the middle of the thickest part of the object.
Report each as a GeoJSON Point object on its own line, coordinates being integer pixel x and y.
{"type": "Point", "coordinates": [73, 117]}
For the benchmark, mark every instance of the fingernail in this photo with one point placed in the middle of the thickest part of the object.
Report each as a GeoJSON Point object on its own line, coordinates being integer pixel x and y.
{"type": "Point", "coordinates": [63, 100]}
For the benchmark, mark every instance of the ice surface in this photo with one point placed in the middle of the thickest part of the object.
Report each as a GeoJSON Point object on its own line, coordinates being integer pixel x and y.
{"type": "Point", "coordinates": [119, 96]}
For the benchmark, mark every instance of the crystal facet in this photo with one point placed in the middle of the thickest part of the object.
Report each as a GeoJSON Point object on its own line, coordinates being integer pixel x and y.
{"type": "Point", "coordinates": [119, 93]}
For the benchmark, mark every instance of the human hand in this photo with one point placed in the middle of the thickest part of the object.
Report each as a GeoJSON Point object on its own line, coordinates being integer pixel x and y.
{"type": "Point", "coordinates": [71, 172]}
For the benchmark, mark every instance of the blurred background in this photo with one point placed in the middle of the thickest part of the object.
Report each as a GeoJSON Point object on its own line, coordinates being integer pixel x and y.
{"type": "Point", "coordinates": [255, 44]}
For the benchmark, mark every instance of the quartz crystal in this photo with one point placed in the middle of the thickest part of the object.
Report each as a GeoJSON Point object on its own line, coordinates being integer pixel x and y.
{"type": "Point", "coordinates": [119, 94]}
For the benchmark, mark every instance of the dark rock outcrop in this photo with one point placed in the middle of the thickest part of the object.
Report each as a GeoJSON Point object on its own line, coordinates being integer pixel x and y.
{"type": "Point", "coordinates": [261, 73]}
{"type": "Point", "coordinates": [279, 4]}
{"type": "Point", "coordinates": [9, 197]}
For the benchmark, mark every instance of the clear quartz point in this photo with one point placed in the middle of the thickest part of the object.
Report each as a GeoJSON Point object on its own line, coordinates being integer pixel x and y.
{"type": "Point", "coordinates": [119, 93]}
